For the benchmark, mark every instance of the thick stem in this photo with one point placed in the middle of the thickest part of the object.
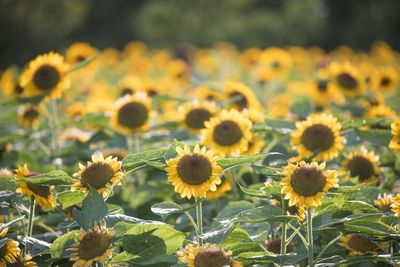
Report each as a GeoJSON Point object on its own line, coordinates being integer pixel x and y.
{"type": "Point", "coordinates": [310, 238]}
{"type": "Point", "coordinates": [199, 217]}
{"type": "Point", "coordinates": [31, 215]}
{"type": "Point", "coordinates": [284, 227]}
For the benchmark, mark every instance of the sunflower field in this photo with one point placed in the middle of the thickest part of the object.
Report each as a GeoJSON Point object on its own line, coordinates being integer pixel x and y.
{"type": "Point", "coordinates": [278, 156]}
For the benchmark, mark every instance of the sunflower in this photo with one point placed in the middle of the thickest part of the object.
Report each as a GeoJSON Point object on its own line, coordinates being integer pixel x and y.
{"type": "Point", "coordinates": [9, 252]}
{"type": "Point", "coordinates": [23, 262]}
{"type": "Point", "coordinates": [207, 93]}
{"type": "Point", "coordinates": [347, 79]}
{"type": "Point", "coordinates": [304, 183]}
{"type": "Point", "coordinates": [129, 85]}
{"type": "Point", "coordinates": [42, 193]}
{"type": "Point", "coordinates": [323, 93]}
{"type": "Point", "coordinates": [28, 116]}
{"type": "Point", "coordinates": [101, 174]}
{"type": "Point", "coordinates": [75, 110]}
{"type": "Point", "coordinates": [206, 256]}
{"type": "Point", "coordinates": [363, 164]}
{"type": "Point", "coordinates": [79, 52]}
{"type": "Point", "coordinates": [384, 202]}
{"type": "Point", "coordinates": [385, 80]}
{"type": "Point", "coordinates": [396, 205]}
{"type": "Point", "coordinates": [194, 114]}
{"type": "Point", "coordinates": [45, 75]}
{"type": "Point", "coordinates": [241, 95]}
{"type": "Point", "coordinates": [9, 84]}
{"type": "Point", "coordinates": [277, 61]}
{"type": "Point", "coordinates": [222, 188]}
{"type": "Point", "coordinates": [318, 134]}
{"type": "Point", "coordinates": [255, 146]}
{"type": "Point", "coordinates": [227, 134]}
{"type": "Point", "coordinates": [381, 111]}
{"type": "Point", "coordinates": [395, 142]}
{"type": "Point", "coordinates": [274, 245]}
{"type": "Point", "coordinates": [194, 173]}
{"type": "Point", "coordinates": [93, 246]}
{"type": "Point", "coordinates": [131, 114]}
{"type": "Point", "coordinates": [360, 245]}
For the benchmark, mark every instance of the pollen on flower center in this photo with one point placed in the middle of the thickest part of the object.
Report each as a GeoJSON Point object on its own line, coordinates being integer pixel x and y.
{"type": "Point", "coordinates": [133, 115]}
{"type": "Point", "coordinates": [347, 81]}
{"type": "Point", "coordinates": [195, 118]}
{"type": "Point", "coordinates": [97, 175]}
{"type": "Point", "coordinates": [93, 244]}
{"type": "Point", "coordinates": [46, 77]}
{"type": "Point", "coordinates": [212, 257]}
{"type": "Point", "coordinates": [227, 133]}
{"type": "Point", "coordinates": [194, 169]}
{"type": "Point", "coordinates": [308, 181]}
{"type": "Point", "coordinates": [317, 137]}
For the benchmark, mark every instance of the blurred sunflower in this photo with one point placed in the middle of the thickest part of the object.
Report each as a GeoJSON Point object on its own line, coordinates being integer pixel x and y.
{"type": "Point", "coordinates": [194, 114]}
{"type": "Point", "coordinates": [23, 262]}
{"type": "Point", "coordinates": [384, 202]}
{"type": "Point", "coordinates": [42, 193]}
{"type": "Point", "coordinates": [359, 245]}
{"type": "Point", "coordinates": [92, 246]}
{"type": "Point", "coordinates": [45, 75]}
{"type": "Point", "coordinates": [79, 52]}
{"type": "Point", "coordinates": [75, 110]}
{"type": "Point", "coordinates": [100, 173]}
{"type": "Point", "coordinates": [347, 79]}
{"type": "Point", "coordinates": [249, 57]}
{"type": "Point", "coordinates": [323, 93]}
{"type": "Point", "coordinates": [363, 164]}
{"type": "Point", "coordinates": [304, 183]}
{"type": "Point", "coordinates": [9, 252]}
{"type": "Point", "coordinates": [206, 256]}
{"type": "Point", "coordinates": [129, 85]}
{"type": "Point", "coordinates": [381, 111]}
{"type": "Point", "coordinates": [194, 173]}
{"type": "Point", "coordinates": [385, 80]}
{"type": "Point", "coordinates": [208, 93]}
{"type": "Point", "coordinates": [276, 60]}
{"type": "Point", "coordinates": [318, 137]}
{"type": "Point", "coordinates": [227, 134]}
{"type": "Point", "coordinates": [131, 114]}
{"type": "Point", "coordinates": [241, 95]}
{"type": "Point", "coordinates": [222, 188]}
{"type": "Point", "coordinates": [395, 142]}
{"type": "Point", "coordinates": [255, 146]}
{"type": "Point", "coordinates": [29, 115]}
{"type": "Point", "coordinates": [9, 84]}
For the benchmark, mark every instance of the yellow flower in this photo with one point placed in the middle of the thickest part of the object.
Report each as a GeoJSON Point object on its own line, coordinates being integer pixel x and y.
{"type": "Point", "coordinates": [395, 142]}
{"type": "Point", "coordinates": [45, 75]}
{"type": "Point", "coordinates": [276, 61]}
{"type": "Point", "coordinates": [205, 92]}
{"type": "Point", "coordinates": [75, 110]}
{"type": "Point", "coordinates": [194, 114]}
{"type": "Point", "coordinates": [42, 193]}
{"type": "Point", "coordinates": [274, 245]}
{"type": "Point", "coordinates": [93, 246]}
{"type": "Point", "coordinates": [101, 174]}
{"type": "Point", "coordinates": [380, 111]}
{"type": "Point", "coordinates": [396, 205]}
{"type": "Point", "coordinates": [385, 80]}
{"type": "Point", "coordinates": [206, 256]}
{"type": "Point", "coordinates": [304, 183]}
{"type": "Point", "coordinates": [79, 52]}
{"type": "Point", "coordinates": [9, 252]}
{"type": "Point", "coordinates": [28, 116]}
{"type": "Point", "coordinates": [255, 146]}
{"type": "Point", "coordinates": [222, 188]}
{"type": "Point", "coordinates": [227, 134]}
{"type": "Point", "coordinates": [194, 173]}
{"type": "Point", "coordinates": [130, 85]}
{"type": "Point", "coordinates": [243, 97]}
{"type": "Point", "coordinates": [363, 164]}
{"type": "Point", "coordinates": [347, 78]}
{"type": "Point", "coordinates": [131, 114]}
{"type": "Point", "coordinates": [23, 262]}
{"type": "Point", "coordinates": [320, 135]}
{"type": "Point", "coordinates": [359, 245]}
{"type": "Point", "coordinates": [384, 202]}
{"type": "Point", "coordinates": [9, 84]}
{"type": "Point", "coordinates": [323, 93]}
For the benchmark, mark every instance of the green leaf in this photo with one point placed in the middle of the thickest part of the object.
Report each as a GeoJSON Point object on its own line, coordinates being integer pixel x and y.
{"type": "Point", "coordinates": [68, 198]}
{"type": "Point", "coordinates": [270, 172]}
{"type": "Point", "coordinates": [375, 136]}
{"type": "Point", "coordinates": [133, 161]}
{"type": "Point", "coordinates": [35, 247]}
{"type": "Point", "coordinates": [58, 248]}
{"type": "Point", "coordinates": [226, 163]}
{"type": "Point", "coordinates": [357, 123]}
{"type": "Point", "coordinates": [8, 183]}
{"type": "Point", "coordinates": [56, 177]}
{"type": "Point", "coordinates": [93, 210]}
{"type": "Point", "coordinates": [233, 208]}
{"type": "Point", "coordinates": [151, 241]}
{"type": "Point", "coordinates": [165, 209]}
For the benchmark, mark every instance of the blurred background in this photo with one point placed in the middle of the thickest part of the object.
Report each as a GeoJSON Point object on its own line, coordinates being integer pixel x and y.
{"type": "Point", "coordinates": [32, 27]}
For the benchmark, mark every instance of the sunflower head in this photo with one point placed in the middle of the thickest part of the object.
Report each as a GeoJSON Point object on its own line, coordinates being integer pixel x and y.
{"type": "Point", "coordinates": [347, 79]}
{"type": "Point", "coordinates": [304, 183]}
{"type": "Point", "coordinates": [100, 173]}
{"type": "Point", "coordinates": [241, 95]}
{"type": "Point", "coordinates": [42, 193]}
{"type": "Point", "coordinates": [395, 142]}
{"type": "Point", "coordinates": [28, 115]}
{"type": "Point", "coordinates": [228, 133]}
{"type": "Point", "coordinates": [396, 205]}
{"type": "Point", "coordinates": [274, 246]}
{"type": "Point", "coordinates": [206, 256]}
{"type": "Point", "coordinates": [9, 252]}
{"type": "Point", "coordinates": [131, 114]}
{"type": "Point", "coordinates": [224, 187]}
{"type": "Point", "coordinates": [195, 114]}
{"type": "Point", "coordinates": [277, 61]}
{"type": "Point", "coordinates": [45, 75]}
{"type": "Point", "coordinates": [360, 245]}
{"type": "Point", "coordinates": [363, 164]}
{"type": "Point", "coordinates": [9, 84]}
{"type": "Point", "coordinates": [79, 52]}
{"type": "Point", "coordinates": [385, 80]}
{"type": "Point", "coordinates": [384, 202]}
{"type": "Point", "coordinates": [194, 173]}
{"type": "Point", "coordinates": [318, 137]}
{"type": "Point", "coordinates": [92, 246]}
{"type": "Point", "coordinates": [23, 262]}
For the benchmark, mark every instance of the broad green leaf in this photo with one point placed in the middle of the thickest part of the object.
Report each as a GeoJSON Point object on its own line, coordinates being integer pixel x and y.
{"type": "Point", "coordinates": [226, 163]}
{"type": "Point", "coordinates": [270, 172]}
{"type": "Point", "coordinates": [8, 183]}
{"type": "Point", "coordinates": [357, 123]}
{"type": "Point", "coordinates": [69, 198]}
{"type": "Point", "coordinates": [56, 177]}
{"type": "Point", "coordinates": [58, 248]}
{"type": "Point", "coordinates": [133, 161]}
{"type": "Point", "coordinates": [233, 208]}
{"type": "Point", "coordinates": [375, 136]}
{"type": "Point", "coordinates": [35, 247]}
{"type": "Point", "coordinates": [93, 210]}
{"type": "Point", "coordinates": [165, 209]}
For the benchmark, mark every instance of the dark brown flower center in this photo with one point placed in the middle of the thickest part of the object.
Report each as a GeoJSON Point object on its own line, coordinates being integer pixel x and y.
{"type": "Point", "coordinates": [227, 133]}
{"type": "Point", "coordinates": [18, 89]}
{"type": "Point", "coordinates": [385, 81]}
{"type": "Point", "coordinates": [31, 114]}
{"type": "Point", "coordinates": [93, 244]}
{"type": "Point", "coordinates": [361, 167]}
{"type": "Point", "coordinates": [307, 181]}
{"type": "Point", "coordinates": [46, 77]}
{"type": "Point", "coordinates": [347, 81]}
{"type": "Point", "coordinates": [97, 175]}
{"type": "Point", "coordinates": [41, 190]}
{"type": "Point", "coordinates": [152, 92]}
{"type": "Point", "coordinates": [275, 246]}
{"type": "Point", "coordinates": [361, 244]}
{"type": "Point", "coordinates": [322, 86]}
{"type": "Point", "coordinates": [317, 137]}
{"type": "Point", "coordinates": [196, 117]}
{"type": "Point", "coordinates": [127, 91]}
{"type": "Point", "coordinates": [194, 169]}
{"type": "Point", "coordinates": [214, 257]}
{"type": "Point", "coordinates": [80, 58]}
{"type": "Point", "coordinates": [239, 100]}
{"type": "Point", "coordinates": [276, 65]}
{"type": "Point", "coordinates": [133, 115]}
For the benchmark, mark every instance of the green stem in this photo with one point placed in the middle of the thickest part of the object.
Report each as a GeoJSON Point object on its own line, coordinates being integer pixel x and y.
{"type": "Point", "coordinates": [193, 222]}
{"type": "Point", "coordinates": [54, 132]}
{"type": "Point", "coordinates": [310, 247]}
{"type": "Point", "coordinates": [199, 216]}
{"type": "Point", "coordinates": [284, 227]}
{"type": "Point", "coordinates": [31, 215]}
